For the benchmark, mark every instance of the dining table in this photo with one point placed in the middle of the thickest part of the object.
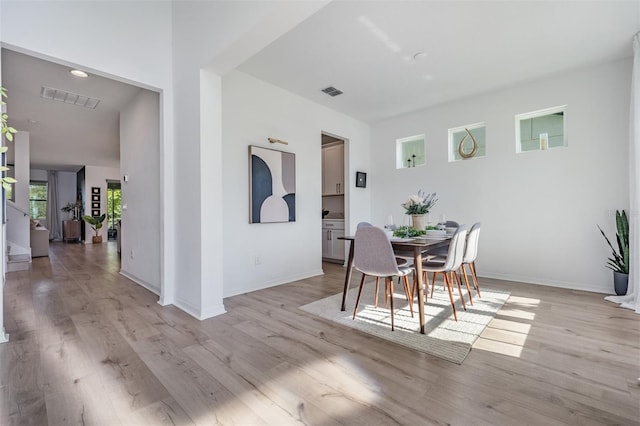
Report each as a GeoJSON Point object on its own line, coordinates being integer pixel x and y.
{"type": "Point", "coordinates": [417, 246]}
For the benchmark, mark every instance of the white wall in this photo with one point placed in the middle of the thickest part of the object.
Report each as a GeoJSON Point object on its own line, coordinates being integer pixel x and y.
{"type": "Point", "coordinates": [538, 210]}
{"type": "Point", "coordinates": [17, 224]}
{"type": "Point", "coordinates": [253, 111]}
{"type": "Point", "coordinates": [20, 146]}
{"type": "Point", "coordinates": [139, 145]}
{"type": "Point", "coordinates": [211, 38]}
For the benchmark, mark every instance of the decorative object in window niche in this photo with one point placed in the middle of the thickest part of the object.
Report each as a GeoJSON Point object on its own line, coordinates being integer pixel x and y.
{"type": "Point", "coordinates": [474, 148]}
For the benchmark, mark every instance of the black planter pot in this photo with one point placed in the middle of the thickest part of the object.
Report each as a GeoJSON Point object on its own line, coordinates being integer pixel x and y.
{"type": "Point", "coordinates": [620, 283]}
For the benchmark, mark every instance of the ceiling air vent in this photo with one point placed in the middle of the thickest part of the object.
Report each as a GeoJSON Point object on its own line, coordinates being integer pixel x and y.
{"type": "Point", "coordinates": [332, 91]}
{"type": "Point", "coordinates": [68, 97]}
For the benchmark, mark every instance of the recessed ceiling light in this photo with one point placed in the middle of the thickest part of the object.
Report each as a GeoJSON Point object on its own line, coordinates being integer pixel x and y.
{"type": "Point", "coordinates": [79, 73]}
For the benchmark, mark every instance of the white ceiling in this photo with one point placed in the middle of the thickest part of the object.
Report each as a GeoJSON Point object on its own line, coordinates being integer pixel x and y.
{"type": "Point", "coordinates": [64, 136]}
{"type": "Point", "coordinates": [365, 49]}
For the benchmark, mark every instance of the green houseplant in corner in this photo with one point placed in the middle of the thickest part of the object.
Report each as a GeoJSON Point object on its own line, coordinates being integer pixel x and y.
{"type": "Point", "coordinates": [619, 260]}
{"type": "Point", "coordinates": [96, 224]}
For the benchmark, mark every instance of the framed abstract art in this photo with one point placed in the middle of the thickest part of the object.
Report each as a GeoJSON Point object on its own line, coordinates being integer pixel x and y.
{"type": "Point", "coordinates": [272, 185]}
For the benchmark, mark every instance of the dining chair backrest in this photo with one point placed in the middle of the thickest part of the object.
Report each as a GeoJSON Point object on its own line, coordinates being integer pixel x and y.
{"type": "Point", "coordinates": [373, 254]}
{"type": "Point", "coordinates": [471, 248]}
{"type": "Point", "coordinates": [456, 249]}
{"type": "Point", "coordinates": [363, 225]}
{"type": "Point", "coordinates": [451, 224]}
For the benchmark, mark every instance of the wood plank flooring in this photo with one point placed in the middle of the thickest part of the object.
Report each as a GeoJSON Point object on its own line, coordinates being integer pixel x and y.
{"type": "Point", "coordinates": [90, 347]}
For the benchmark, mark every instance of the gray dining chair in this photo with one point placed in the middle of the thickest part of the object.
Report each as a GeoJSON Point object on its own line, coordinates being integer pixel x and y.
{"type": "Point", "coordinates": [448, 268]}
{"type": "Point", "coordinates": [442, 250]}
{"type": "Point", "coordinates": [373, 256]}
{"type": "Point", "coordinates": [401, 262]}
{"type": "Point", "coordinates": [470, 255]}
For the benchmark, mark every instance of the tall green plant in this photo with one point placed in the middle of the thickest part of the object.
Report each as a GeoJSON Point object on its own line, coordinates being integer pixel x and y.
{"type": "Point", "coordinates": [95, 222]}
{"type": "Point", "coordinates": [619, 261]}
{"type": "Point", "coordinates": [8, 133]}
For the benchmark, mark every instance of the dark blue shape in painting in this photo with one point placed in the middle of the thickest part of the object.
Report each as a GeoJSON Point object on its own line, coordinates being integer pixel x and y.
{"type": "Point", "coordinates": [290, 199]}
{"type": "Point", "coordinates": [261, 187]}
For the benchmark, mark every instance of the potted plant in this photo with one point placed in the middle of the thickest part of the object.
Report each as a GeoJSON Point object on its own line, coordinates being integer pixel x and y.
{"type": "Point", "coordinates": [619, 262]}
{"type": "Point", "coordinates": [96, 224]}
{"type": "Point", "coordinates": [418, 206]}
{"type": "Point", "coordinates": [73, 209]}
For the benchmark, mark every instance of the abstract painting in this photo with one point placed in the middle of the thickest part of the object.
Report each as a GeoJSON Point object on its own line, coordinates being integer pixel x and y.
{"type": "Point", "coordinates": [272, 185]}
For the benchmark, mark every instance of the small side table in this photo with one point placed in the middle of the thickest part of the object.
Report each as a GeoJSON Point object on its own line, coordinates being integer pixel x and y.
{"type": "Point", "coordinates": [71, 230]}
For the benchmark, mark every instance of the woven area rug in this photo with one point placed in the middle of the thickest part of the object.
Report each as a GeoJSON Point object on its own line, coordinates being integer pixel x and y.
{"type": "Point", "coordinates": [444, 337]}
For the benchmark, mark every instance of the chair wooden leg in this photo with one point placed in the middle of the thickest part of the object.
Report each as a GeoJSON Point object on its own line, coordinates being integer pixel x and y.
{"type": "Point", "coordinates": [377, 290]}
{"type": "Point", "coordinates": [433, 283]}
{"type": "Point", "coordinates": [454, 275]}
{"type": "Point", "coordinates": [472, 265]}
{"type": "Point", "coordinates": [466, 281]}
{"type": "Point", "coordinates": [414, 287]}
{"type": "Point", "coordinates": [391, 297]}
{"type": "Point", "coordinates": [386, 293]}
{"type": "Point", "coordinates": [358, 298]}
{"type": "Point", "coordinates": [409, 294]}
{"type": "Point", "coordinates": [453, 305]}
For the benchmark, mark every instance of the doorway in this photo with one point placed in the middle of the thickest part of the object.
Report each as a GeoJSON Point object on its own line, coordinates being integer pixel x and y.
{"type": "Point", "coordinates": [333, 198]}
{"type": "Point", "coordinates": [114, 209]}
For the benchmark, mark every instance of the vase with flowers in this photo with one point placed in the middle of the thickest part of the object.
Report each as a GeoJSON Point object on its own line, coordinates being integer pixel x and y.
{"type": "Point", "coordinates": [418, 206]}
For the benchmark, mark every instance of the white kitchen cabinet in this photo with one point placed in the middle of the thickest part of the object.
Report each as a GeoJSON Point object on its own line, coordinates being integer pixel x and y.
{"type": "Point", "coordinates": [333, 170]}
{"type": "Point", "coordinates": [332, 247]}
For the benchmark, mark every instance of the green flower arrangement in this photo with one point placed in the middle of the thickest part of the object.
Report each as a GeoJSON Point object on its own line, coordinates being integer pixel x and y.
{"type": "Point", "coordinates": [420, 203]}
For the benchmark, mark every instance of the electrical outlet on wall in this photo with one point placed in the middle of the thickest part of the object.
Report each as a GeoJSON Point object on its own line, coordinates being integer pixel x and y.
{"type": "Point", "coordinates": [132, 253]}
{"type": "Point", "coordinates": [257, 260]}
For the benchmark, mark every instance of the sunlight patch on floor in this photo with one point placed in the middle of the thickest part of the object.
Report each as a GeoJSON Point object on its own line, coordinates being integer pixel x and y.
{"type": "Point", "coordinates": [508, 336]}
{"type": "Point", "coordinates": [516, 313]}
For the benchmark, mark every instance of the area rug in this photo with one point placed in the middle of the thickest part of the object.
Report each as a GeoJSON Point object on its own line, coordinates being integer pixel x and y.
{"type": "Point", "coordinates": [444, 337]}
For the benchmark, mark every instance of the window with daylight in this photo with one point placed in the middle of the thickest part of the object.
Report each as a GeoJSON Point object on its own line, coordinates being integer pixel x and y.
{"type": "Point", "coordinates": [541, 130]}
{"type": "Point", "coordinates": [38, 199]}
{"type": "Point", "coordinates": [410, 152]}
{"type": "Point", "coordinates": [467, 142]}
{"type": "Point", "coordinates": [114, 209]}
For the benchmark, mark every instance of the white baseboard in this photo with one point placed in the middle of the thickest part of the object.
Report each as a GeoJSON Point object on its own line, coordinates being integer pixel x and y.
{"type": "Point", "coordinates": [140, 282]}
{"type": "Point", "coordinates": [195, 311]}
{"type": "Point", "coordinates": [273, 283]}
{"type": "Point", "coordinates": [550, 283]}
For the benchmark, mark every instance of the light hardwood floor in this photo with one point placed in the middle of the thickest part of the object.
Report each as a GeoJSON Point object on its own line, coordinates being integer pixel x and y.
{"type": "Point", "coordinates": [90, 347]}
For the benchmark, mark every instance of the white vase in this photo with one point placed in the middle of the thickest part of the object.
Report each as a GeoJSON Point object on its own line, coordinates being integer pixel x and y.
{"type": "Point", "coordinates": [419, 221]}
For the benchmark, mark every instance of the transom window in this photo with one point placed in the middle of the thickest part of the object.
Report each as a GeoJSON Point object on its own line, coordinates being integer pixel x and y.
{"type": "Point", "coordinates": [541, 130]}
{"type": "Point", "coordinates": [467, 142]}
{"type": "Point", "coordinates": [410, 152]}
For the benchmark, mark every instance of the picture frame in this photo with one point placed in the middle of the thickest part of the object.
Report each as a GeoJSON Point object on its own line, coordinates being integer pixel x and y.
{"type": "Point", "coordinates": [95, 198]}
{"type": "Point", "coordinates": [95, 205]}
{"type": "Point", "coordinates": [95, 190]}
{"type": "Point", "coordinates": [95, 213]}
{"type": "Point", "coordinates": [272, 185]}
{"type": "Point", "coordinates": [361, 180]}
